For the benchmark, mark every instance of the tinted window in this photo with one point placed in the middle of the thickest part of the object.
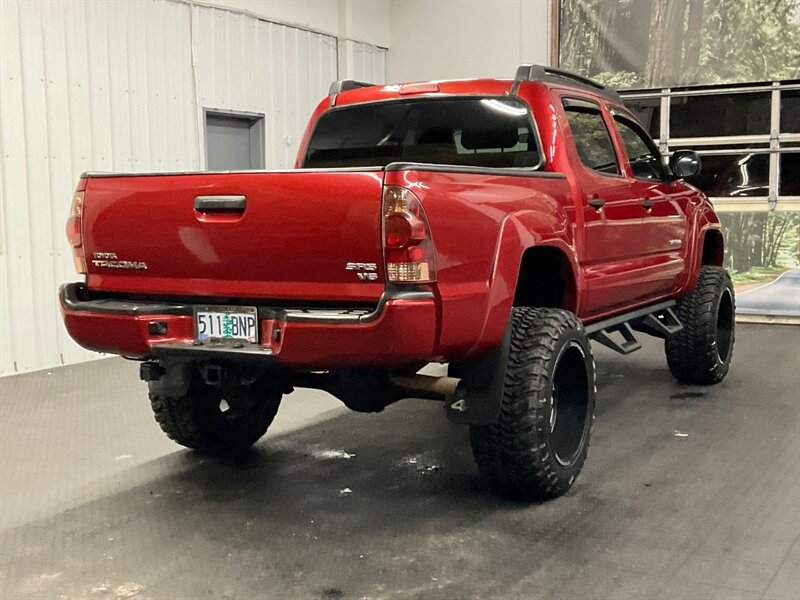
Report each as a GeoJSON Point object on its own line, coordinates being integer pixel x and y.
{"type": "Point", "coordinates": [485, 132]}
{"type": "Point", "coordinates": [643, 156]}
{"type": "Point", "coordinates": [723, 114]}
{"type": "Point", "coordinates": [592, 140]}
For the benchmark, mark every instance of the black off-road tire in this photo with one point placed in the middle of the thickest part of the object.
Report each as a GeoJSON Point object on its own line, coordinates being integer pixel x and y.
{"type": "Point", "coordinates": [538, 445]}
{"type": "Point", "coordinates": [214, 421]}
{"type": "Point", "coordinates": [701, 352]}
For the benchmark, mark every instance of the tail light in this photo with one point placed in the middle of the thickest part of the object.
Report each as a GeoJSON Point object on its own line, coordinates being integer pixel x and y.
{"type": "Point", "coordinates": [407, 242]}
{"type": "Point", "coordinates": [74, 230]}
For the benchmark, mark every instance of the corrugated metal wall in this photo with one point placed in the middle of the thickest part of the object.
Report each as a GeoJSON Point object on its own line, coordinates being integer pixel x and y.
{"type": "Point", "coordinates": [368, 62]}
{"type": "Point", "coordinates": [110, 86]}
{"type": "Point", "coordinates": [251, 65]}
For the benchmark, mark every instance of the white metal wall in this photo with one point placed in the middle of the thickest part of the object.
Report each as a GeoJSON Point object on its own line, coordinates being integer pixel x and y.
{"type": "Point", "coordinates": [251, 65]}
{"type": "Point", "coordinates": [120, 86]}
{"type": "Point", "coordinates": [367, 62]}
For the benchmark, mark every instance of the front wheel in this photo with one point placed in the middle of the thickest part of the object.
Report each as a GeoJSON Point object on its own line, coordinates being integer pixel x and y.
{"type": "Point", "coordinates": [701, 352]}
{"type": "Point", "coordinates": [538, 445]}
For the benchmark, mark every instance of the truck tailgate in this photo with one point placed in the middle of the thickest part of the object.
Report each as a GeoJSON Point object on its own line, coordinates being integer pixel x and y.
{"type": "Point", "coordinates": [284, 235]}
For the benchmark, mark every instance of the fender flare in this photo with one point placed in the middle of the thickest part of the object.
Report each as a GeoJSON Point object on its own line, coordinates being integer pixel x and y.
{"type": "Point", "coordinates": [705, 220]}
{"type": "Point", "coordinates": [514, 239]}
{"type": "Point", "coordinates": [484, 373]}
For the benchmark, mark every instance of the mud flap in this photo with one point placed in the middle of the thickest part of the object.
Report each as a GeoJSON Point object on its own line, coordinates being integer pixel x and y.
{"type": "Point", "coordinates": [483, 378]}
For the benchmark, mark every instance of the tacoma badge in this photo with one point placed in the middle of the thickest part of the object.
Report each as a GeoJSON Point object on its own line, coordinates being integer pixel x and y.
{"type": "Point", "coordinates": [109, 260]}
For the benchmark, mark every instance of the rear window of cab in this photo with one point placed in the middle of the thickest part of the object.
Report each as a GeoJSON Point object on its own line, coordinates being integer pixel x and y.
{"type": "Point", "coordinates": [480, 132]}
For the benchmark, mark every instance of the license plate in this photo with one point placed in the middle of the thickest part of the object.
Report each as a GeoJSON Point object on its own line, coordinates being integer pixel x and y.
{"type": "Point", "coordinates": [226, 323]}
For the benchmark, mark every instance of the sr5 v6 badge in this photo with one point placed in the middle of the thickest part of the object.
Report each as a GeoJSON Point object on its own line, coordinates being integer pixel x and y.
{"type": "Point", "coordinates": [365, 271]}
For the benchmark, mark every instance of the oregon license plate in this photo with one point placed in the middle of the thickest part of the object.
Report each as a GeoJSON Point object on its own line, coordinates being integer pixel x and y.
{"type": "Point", "coordinates": [226, 323]}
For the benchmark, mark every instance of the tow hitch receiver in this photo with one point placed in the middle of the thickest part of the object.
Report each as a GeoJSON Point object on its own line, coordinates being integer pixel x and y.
{"type": "Point", "coordinates": [151, 371]}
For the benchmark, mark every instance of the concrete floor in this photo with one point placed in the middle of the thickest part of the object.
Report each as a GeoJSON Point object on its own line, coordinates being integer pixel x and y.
{"type": "Point", "coordinates": [688, 492]}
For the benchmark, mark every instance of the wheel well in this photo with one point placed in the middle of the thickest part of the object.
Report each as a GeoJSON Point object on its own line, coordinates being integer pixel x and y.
{"type": "Point", "coordinates": [713, 248]}
{"type": "Point", "coordinates": [545, 280]}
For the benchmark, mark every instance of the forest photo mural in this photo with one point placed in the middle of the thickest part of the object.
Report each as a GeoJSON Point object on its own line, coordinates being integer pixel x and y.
{"type": "Point", "coordinates": [656, 44]}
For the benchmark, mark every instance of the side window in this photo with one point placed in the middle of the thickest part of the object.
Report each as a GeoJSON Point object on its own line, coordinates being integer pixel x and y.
{"type": "Point", "coordinates": [592, 140]}
{"type": "Point", "coordinates": [645, 159]}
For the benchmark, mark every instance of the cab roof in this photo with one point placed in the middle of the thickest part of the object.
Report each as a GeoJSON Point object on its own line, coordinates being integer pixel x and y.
{"type": "Point", "coordinates": [348, 91]}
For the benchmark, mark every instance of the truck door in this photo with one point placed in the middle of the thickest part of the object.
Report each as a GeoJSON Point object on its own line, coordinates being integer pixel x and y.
{"type": "Point", "coordinates": [665, 207]}
{"type": "Point", "coordinates": [612, 212]}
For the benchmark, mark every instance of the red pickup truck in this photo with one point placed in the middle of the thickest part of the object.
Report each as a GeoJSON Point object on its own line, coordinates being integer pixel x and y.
{"type": "Point", "coordinates": [495, 225]}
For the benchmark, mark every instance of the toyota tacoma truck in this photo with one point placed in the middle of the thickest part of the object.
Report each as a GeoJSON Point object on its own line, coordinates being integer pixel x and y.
{"type": "Point", "coordinates": [495, 225]}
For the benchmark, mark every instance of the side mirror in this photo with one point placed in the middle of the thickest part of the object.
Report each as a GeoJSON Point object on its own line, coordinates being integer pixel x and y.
{"type": "Point", "coordinates": [685, 163]}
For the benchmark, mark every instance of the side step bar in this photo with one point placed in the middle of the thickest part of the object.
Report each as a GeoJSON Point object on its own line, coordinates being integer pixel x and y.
{"type": "Point", "coordinates": [628, 344]}
{"type": "Point", "coordinates": [658, 320]}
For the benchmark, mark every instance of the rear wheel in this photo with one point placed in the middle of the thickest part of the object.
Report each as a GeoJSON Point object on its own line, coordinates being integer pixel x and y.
{"type": "Point", "coordinates": [216, 420]}
{"type": "Point", "coordinates": [538, 445]}
{"type": "Point", "coordinates": [701, 352]}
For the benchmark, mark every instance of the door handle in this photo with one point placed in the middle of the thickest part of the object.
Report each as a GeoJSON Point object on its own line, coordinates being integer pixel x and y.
{"type": "Point", "coordinates": [220, 203]}
{"type": "Point", "coordinates": [597, 203]}
{"type": "Point", "coordinates": [647, 203]}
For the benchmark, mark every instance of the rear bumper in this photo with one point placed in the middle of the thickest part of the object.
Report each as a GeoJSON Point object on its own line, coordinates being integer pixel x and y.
{"type": "Point", "coordinates": [400, 331]}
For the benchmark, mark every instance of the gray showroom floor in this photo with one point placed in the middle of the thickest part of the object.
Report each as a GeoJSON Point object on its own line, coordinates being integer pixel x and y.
{"type": "Point", "coordinates": [688, 492]}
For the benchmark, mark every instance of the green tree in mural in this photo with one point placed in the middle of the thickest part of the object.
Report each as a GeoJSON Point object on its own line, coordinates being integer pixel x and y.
{"type": "Point", "coordinates": [781, 233]}
{"type": "Point", "coordinates": [675, 42]}
{"type": "Point", "coordinates": [761, 241]}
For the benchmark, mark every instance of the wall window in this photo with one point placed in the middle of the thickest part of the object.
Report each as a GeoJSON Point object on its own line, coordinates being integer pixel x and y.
{"type": "Point", "coordinates": [719, 115]}
{"type": "Point", "coordinates": [592, 140]}
{"type": "Point", "coordinates": [790, 111]}
{"type": "Point", "coordinates": [734, 172]}
{"type": "Point", "coordinates": [648, 111]}
{"type": "Point", "coordinates": [749, 141]}
{"type": "Point", "coordinates": [789, 179]}
{"type": "Point", "coordinates": [234, 141]}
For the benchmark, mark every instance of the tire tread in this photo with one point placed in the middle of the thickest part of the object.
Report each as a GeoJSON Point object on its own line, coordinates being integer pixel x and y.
{"type": "Point", "coordinates": [512, 453]}
{"type": "Point", "coordinates": [185, 420]}
{"type": "Point", "coordinates": [692, 352]}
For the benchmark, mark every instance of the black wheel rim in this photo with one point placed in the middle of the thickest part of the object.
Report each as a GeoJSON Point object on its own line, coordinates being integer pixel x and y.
{"type": "Point", "coordinates": [234, 407]}
{"type": "Point", "coordinates": [725, 319]}
{"type": "Point", "coordinates": [570, 405]}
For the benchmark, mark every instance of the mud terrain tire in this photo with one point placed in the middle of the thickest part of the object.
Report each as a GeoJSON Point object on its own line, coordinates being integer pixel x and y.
{"type": "Point", "coordinates": [216, 422]}
{"type": "Point", "coordinates": [701, 352]}
{"type": "Point", "coordinates": [538, 445]}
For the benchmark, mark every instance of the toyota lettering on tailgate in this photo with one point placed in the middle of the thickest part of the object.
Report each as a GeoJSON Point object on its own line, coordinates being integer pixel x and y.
{"type": "Point", "coordinates": [109, 260]}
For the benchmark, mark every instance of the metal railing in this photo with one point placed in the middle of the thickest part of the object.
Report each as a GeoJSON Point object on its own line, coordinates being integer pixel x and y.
{"type": "Point", "coordinates": [775, 142]}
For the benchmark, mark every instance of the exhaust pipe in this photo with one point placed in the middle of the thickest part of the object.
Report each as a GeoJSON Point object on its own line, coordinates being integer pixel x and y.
{"type": "Point", "coordinates": [439, 386]}
{"type": "Point", "coordinates": [365, 391]}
